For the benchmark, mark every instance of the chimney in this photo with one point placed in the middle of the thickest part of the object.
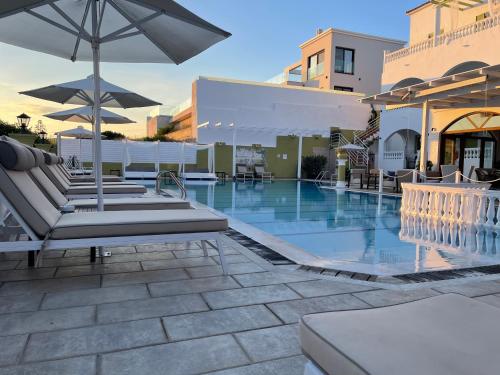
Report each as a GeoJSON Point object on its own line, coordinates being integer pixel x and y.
{"type": "Point", "coordinates": [319, 31]}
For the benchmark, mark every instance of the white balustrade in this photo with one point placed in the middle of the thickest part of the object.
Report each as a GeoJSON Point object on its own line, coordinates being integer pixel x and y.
{"type": "Point", "coordinates": [470, 205]}
{"type": "Point", "coordinates": [394, 155]}
{"type": "Point", "coordinates": [444, 38]}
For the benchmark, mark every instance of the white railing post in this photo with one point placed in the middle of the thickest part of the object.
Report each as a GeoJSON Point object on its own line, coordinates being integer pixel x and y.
{"type": "Point", "coordinates": [458, 177]}
{"type": "Point", "coordinates": [381, 181]}
{"type": "Point", "coordinates": [414, 176]}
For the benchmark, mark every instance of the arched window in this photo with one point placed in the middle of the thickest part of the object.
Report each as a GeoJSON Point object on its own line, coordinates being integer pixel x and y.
{"type": "Point", "coordinates": [475, 122]}
{"type": "Point", "coordinates": [406, 82]}
{"type": "Point", "coordinates": [465, 67]}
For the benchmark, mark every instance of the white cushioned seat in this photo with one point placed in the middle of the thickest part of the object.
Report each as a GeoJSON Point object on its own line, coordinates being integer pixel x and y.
{"type": "Point", "coordinates": [123, 204]}
{"type": "Point", "coordinates": [444, 335]}
{"type": "Point", "coordinates": [131, 223]}
{"type": "Point", "coordinates": [107, 189]}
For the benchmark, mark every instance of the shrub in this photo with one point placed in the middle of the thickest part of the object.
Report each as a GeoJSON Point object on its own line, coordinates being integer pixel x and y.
{"type": "Point", "coordinates": [312, 165]}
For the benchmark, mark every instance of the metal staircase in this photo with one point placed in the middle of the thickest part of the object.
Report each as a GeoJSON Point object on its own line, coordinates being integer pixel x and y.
{"type": "Point", "coordinates": [357, 158]}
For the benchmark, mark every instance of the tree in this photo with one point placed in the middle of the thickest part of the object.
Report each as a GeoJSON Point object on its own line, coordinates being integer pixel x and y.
{"type": "Point", "coordinates": [6, 128]}
{"type": "Point", "coordinates": [111, 135]}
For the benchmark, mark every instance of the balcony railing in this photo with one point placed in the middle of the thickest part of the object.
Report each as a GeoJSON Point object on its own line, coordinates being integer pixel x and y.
{"type": "Point", "coordinates": [445, 38]}
{"type": "Point", "coordinates": [285, 77]}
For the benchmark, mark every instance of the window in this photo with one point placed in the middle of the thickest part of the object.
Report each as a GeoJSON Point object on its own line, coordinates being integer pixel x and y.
{"type": "Point", "coordinates": [315, 65]}
{"type": "Point", "coordinates": [344, 60]}
{"type": "Point", "coordinates": [343, 88]}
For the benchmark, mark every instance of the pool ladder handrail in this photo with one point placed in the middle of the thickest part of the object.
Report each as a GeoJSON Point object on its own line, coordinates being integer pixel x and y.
{"type": "Point", "coordinates": [319, 178]}
{"type": "Point", "coordinates": [174, 178]}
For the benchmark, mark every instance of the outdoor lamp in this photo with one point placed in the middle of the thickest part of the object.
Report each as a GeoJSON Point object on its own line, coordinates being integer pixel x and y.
{"type": "Point", "coordinates": [43, 135]}
{"type": "Point", "coordinates": [23, 121]}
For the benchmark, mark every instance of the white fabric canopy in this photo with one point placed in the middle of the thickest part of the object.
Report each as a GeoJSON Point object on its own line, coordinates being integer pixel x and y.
{"type": "Point", "coordinates": [85, 114]}
{"type": "Point", "coordinates": [81, 92]}
{"type": "Point", "coordinates": [350, 146]}
{"type": "Point", "coordinates": [79, 132]}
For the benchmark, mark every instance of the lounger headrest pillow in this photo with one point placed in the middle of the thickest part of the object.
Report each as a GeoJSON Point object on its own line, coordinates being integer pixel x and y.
{"type": "Point", "coordinates": [38, 155]}
{"type": "Point", "coordinates": [60, 160]}
{"type": "Point", "coordinates": [50, 159]}
{"type": "Point", "coordinates": [9, 139]}
{"type": "Point", "coordinates": [15, 156]}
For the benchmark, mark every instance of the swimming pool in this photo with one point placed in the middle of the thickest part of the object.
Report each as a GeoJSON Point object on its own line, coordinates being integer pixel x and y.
{"type": "Point", "coordinates": [342, 230]}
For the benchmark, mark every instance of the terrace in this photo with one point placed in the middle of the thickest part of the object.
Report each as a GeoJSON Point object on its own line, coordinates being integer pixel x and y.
{"type": "Point", "coordinates": [166, 309]}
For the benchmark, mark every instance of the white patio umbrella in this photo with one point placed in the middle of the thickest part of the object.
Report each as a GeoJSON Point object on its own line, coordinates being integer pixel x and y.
{"type": "Point", "coordinates": [79, 133]}
{"type": "Point", "coordinates": [86, 115]}
{"type": "Point", "coordinates": [135, 31]}
{"type": "Point", "coordinates": [81, 92]}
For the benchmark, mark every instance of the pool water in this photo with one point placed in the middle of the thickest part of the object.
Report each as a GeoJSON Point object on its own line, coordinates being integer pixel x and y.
{"type": "Point", "coordinates": [344, 230]}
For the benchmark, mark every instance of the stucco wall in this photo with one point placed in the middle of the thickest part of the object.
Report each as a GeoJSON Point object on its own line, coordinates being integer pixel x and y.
{"type": "Point", "coordinates": [258, 110]}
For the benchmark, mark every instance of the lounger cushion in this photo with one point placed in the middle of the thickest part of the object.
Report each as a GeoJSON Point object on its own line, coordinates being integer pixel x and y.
{"type": "Point", "coordinates": [38, 155]}
{"type": "Point", "coordinates": [123, 204]}
{"type": "Point", "coordinates": [108, 189]}
{"type": "Point", "coordinates": [50, 159]}
{"type": "Point", "coordinates": [15, 156]}
{"type": "Point", "coordinates": [444, 335]}
{"type": "Point", "coordinates": [134, 223]}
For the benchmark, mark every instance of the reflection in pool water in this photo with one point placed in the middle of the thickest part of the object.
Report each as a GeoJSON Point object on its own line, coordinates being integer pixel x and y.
{"type": "Point", "coordinates": [345, 230]}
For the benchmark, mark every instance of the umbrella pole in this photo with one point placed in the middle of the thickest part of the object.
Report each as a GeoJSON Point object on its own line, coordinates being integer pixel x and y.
{"type": "Point", "coordinates": [97, 108]}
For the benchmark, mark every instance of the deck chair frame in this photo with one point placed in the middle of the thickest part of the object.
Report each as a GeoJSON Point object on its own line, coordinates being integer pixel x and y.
{"type": "Point", "coordinates": [40, 245]}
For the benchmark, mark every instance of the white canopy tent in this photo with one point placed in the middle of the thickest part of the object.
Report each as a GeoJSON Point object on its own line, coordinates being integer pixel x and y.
{"type": "Point", "coordinates": [146, 31]}
{"type": "Point", "coordinates": [79, 133]}
{"type": "Point", "coordinates": [198, 175]}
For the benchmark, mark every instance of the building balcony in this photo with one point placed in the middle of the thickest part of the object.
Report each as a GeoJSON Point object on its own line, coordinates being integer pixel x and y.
{"type": "Point", "coordinates": [433, 58]}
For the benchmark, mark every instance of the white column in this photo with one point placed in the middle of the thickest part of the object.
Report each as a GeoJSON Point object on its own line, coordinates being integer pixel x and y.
{"type": "Point", "coordinates": [157, 158]}
{"type": "Point", "coordinates": [437, 24]}
{"type": "Point", "coordinates": [234, 153]}
{"type": "Point", "coordinates": [59, 145]}
{"type": "Point", "coordinates": [299, 159]}
{"type": "Point", "coordinates": [426, 115]}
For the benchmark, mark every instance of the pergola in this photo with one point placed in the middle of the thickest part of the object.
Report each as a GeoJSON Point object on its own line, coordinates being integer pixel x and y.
{"type": "Point", "coordinates": [471, 89]}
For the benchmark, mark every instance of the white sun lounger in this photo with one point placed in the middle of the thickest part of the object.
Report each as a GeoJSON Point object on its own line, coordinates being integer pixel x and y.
{"type": "Point", "coordinates": [444, 335]}
{"type": "Point", "coordinates": [86, 190]}
{"type": "Point", "coordinates": [114, 204]}
{"type": "Point", "coordinates": [48, 229]}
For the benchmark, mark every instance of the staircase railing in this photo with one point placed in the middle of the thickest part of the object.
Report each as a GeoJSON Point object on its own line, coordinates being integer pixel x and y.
{"type": "Point", "coordinates": [358, 158]}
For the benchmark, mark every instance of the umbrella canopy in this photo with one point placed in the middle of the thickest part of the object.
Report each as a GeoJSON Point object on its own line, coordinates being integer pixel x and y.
{"type": "Point", "coordinates": [350, 147]}
{"type": "Point", "coordinates": [79, 132]}
{"type": "Point", "coordinates": [86, 114]}
{"type": "Point", "coordinates": [81, 92]}
{"type": "Point", "coordinates": [135, 31]}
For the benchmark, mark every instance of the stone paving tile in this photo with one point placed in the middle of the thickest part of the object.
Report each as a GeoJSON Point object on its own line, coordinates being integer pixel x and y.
{"type": "Point", "coordinates": [11, 304]}
{"type": "Point", "coordinates": [179, 358]}
{"type": "Point", "coordinates": [49, 285]}
{"type": "Point", "coordinates": [292, 311]}
{"type": "Point", "coordinates": [232, 259]}
{"type": "Point", "coordinates": [98, 269]}
{"type": "Point", "coordinates": [94, 296]}
{"type": "Point", "coordinates": [384, 297]}
{"type": "Point", "coordinates": [86, 252]}
{"type": "Point", "coordinates": [177, 263]}
{"type": "Point", "coordinates": [199, 253]}
{"type": "Point", "coordinates": [318, 288]}
{"type": "Point", "coordinates": [233, 269]}
{"type": "Point", "coordinates": [269, 278]}
{"type": "Point", "coordinates": [27, 274]}
{"type": "Point", "coordinates": [39, 321]}
{"type": "Point", "coordinates": [8, 264]}
{"type": "Point", "coordinates": [11, 348]}
{"type": "Point", "coordinates": [23, 256]}
{"type": "Point", "coordinates": [144, 277]}
{"type": "Point", "coordinates": [208, 284]}
{"type": "Point", "coordinates": [472, 289]}
{"type": "Point", "coordinates": [492, 299]}
{"type": "Point", "coordinates": [71, 366]}
{"type": "Point", "coordinates": [96, 339]}
{"type": "Point", "coordinates": [271, 343]}
{"type": "Point", "coordinates": [249, 296]}
{"type": "Point", "coordinates": [168, 246]}
{"type": "Point", "coordinates": [138, 257]}
{"type": "Point", "coordinates": [150, 308]}
{"type": "Point", "coordinates": [190, 326]}
{"type": "Point", "coordinates": [285, 366]}
{"type": "Point", "coordinates": [58, 262]}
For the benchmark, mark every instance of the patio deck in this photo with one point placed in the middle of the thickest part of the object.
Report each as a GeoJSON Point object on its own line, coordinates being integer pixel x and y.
{"type": "Point", "coordinates": [151, 311]}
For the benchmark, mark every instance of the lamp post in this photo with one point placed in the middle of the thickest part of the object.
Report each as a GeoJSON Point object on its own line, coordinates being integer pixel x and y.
{"type": "Point", "coordinates": [43, 135]}
{"type": "Point", "coordinates": [23, 121]}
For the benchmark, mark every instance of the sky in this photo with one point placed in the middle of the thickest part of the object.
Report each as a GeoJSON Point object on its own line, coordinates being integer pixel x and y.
{"type": "Point", "coordinates": [265, 38]}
